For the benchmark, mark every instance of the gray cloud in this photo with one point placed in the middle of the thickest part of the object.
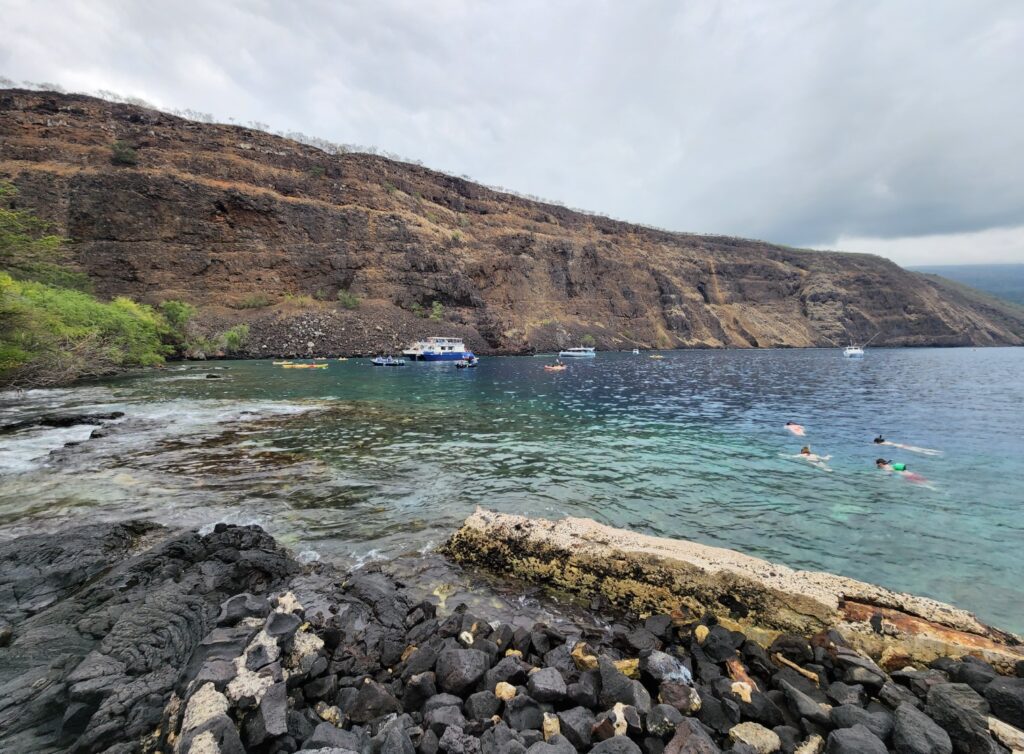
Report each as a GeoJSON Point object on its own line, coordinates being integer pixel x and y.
{"type": "Point", "coordinates": [796, 122]}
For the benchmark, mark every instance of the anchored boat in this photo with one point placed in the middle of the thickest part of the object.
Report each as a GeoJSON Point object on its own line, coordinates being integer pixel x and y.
{"type": "Point", "coordinates": [387, 361]}
{"type": "Point", "coordinates": [438, 349]}
{"type": "Point", "coordinates": [578, 352]}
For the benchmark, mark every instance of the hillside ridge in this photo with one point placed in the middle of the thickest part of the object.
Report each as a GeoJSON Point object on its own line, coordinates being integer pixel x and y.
{"type": "Point", "coordinates": [255, 228]}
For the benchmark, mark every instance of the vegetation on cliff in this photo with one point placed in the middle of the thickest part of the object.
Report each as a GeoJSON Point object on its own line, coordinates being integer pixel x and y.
{"type": "Point", "coordinates": [54, 331]}
{"type": "Point", "coordinates": [51, 330]}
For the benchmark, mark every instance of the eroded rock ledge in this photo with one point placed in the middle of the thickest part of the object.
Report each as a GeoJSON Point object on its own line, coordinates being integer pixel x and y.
{"type": "Point", "coordinates": [649, 574]}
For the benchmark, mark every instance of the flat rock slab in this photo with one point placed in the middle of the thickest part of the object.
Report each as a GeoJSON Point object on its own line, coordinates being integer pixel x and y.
{"type": "Point", "coordinates": [650, 575]}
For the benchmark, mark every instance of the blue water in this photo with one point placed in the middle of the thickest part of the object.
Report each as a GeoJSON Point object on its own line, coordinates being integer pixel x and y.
{"type": "Point", "coordinates": [356, 462]}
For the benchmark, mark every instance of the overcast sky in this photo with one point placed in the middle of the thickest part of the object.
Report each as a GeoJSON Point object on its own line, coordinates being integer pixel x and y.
{"type": "Point", "coordinates": [892, 127]}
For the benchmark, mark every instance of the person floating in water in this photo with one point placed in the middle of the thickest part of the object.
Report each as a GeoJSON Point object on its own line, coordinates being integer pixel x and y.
{"type": "Point", "coordinates": [796, 429]}
{"type": "Point", "coordinates": [813, 458]}
{"type": "Point", "coordinates": [901, 469]}
{"type": "Point", "coordinates": [912, 448]}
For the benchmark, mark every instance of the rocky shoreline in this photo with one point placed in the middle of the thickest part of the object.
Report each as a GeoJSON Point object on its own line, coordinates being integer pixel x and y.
{"type": "Point", "coordinates": [129, 637]}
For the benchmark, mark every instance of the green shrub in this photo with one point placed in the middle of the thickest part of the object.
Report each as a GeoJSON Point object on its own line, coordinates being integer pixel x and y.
{"type": "Point", "coordinates": [588, 341]}
{"type": "Point", "coordinates": [317, 171]}
{"type": "Point", "coordinates": [418, 310]}
{"type": "Point", "coordinates": [122, 153]}
{"type": "Point", "coordinates": [300, 300]}
{"type": "Point", "coordinates": [348, 300]}
{"type": "Point", "coordinates": [436, 310]}
{"type": "Point", "coordinates": [255, 301]}
{"type": "Point", "coordinates": [234, 340]}
{"type": "Point", "coordinates": [51, 336]}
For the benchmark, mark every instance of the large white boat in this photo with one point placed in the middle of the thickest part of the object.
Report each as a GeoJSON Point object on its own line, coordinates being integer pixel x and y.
{"type": "Point", "coordinates": [853, 352]}
{"type": "Point", "coordinates": [438, 349]}
{"type": "Point", "coordinates": [579, 351]}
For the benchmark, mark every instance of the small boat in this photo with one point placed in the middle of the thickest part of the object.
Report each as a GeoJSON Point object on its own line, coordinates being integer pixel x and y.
{"type": "Point", "coordinates": [467, 363]}
{"type": "Point", "coordinates": [555, 367]}
{"type": "Point", "coordinates": [657, 356]}
{"type": "Point", "coordinates": [304, 366]}
{"type": "Point", "coordinates": [636, 351]}
{"type": "Point", "coordinates": [853, 351]}
{"type": "Point", "coordinates": [387, 361]}
{"type": "Point", "coordinates": [342, 358]}
{"type": "Point", "coordinates": [578, 352]}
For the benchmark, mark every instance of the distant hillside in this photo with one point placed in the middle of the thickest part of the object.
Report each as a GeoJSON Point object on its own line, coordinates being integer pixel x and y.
{"type": "Point", "coordinates": [354, 253]}
{"type": "Point", "coordinates": [1003, 280]}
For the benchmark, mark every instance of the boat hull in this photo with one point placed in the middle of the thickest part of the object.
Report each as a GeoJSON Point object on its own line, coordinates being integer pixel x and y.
{"type": "Point", "coordinates": [446, 356]}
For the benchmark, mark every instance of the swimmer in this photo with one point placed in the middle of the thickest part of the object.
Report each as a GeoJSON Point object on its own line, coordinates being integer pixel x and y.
{"type": "Point", "coordinates": [912, 448]}
{"type": "Point", "coordinates": [813, 458]}
{"type": "Point", "coordinates": [901, 469]}
{"type": "Point", "coordinates": [795, 428]}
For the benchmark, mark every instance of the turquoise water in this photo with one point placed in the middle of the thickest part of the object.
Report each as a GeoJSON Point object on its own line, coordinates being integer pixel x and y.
{"type": "Point", "coordinates": [356, 462]}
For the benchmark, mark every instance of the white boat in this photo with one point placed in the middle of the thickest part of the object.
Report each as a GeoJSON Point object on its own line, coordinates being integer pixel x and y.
{"type": "Point", "coordinates": [636, 351]}
{"type": "Point", "coordinates": [853, 352]}
{"type": "Point", "coordinates": [438, 349]}
{"type": "Point", "coordinates": [579, 351]}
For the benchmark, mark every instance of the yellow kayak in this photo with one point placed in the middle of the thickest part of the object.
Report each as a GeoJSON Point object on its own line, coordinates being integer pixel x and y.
{"type": "Point", "coordinates": [304, 366]}
{"type": "Point", "coordinates": [656, 356]}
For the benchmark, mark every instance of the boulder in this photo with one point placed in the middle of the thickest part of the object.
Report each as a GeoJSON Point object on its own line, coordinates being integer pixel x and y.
{"type": "Point", "coordinates": [546, 685]}
{"type": "Point", "coordinates": [1006, 698]}
{"type": "Point", "coordinates": [459, 670]}
{"type": "Point", "coordinates": [855, 740]}
{"type": "Point", "coordinates": [756, 736]}
{"type": "Point", "coordinates": [916, 733]}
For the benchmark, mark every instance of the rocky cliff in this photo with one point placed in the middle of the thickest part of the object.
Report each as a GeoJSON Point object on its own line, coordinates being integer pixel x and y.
{"type": "Point", "coordinates": [256, 228]}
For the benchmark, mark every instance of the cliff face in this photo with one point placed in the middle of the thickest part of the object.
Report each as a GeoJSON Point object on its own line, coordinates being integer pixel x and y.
{"type": "Point", "coordinates": [221, 215]}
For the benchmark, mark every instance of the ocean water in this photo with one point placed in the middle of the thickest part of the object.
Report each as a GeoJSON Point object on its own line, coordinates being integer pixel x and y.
{"type": "Point", "coordinates": [356, 462]}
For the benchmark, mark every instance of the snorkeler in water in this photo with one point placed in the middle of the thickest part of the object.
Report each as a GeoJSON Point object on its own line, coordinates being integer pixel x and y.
{"type": "Point", "coordinates": [813, 458]}
{"type": "Point", "coordinates": [912, 448]}
{"type": "Point", "coordinates": [901, 469]}
{"type": "Point", "coordinates": [796, 429]}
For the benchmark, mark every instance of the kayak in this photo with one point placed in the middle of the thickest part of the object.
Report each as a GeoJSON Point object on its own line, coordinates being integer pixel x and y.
{"type": "Point", "coordinates": [557, 368]}
{"type": "Point", "coordinates": [304, 366]}
{"type": "Point", "coordinates": [656, 356]}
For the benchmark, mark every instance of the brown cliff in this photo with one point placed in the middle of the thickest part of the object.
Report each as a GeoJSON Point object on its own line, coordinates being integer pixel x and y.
{"type": "Point", "coordinates": [221, 215]}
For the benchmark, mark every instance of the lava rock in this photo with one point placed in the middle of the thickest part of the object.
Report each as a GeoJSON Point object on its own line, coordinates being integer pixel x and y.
{"type": "Point", "coordinates": [458, 670]}
{"type": "Point", "coordinates": [546, 685]}
{"type": "Point", "coordinates": [327, 736]}
{"type": "Point", "coordinates": [282, 626]}
{"type": "Point", "coordinates": [442, 718]}
{"type": "Point", "coordinates": [523, 712]}
{"type": "Point", "coordinates": [842, 693]}
{"type": "Point", "coordinates": [241, 606]}
{"type": "Point", "coordinates": [961, 711]}
{"type": "Point", "coordinates": [508, 669]}
{"type": "Point", "coordinates": [616, 687]}
{"type": "Point", "coordinates": [916, 733]}
{"type": "Point", "coordinates": [855, 740]}
{"type": "Point", "coordinates": [662, 720]}
{"type": "Point", "coordinates": [455, 741]}
{"type": "Point", "coordinates": [482, 705]}
{"type": "Point", "coordinates": [617, 745]}
{"type": "Point", "coordinates": [806, 707]}
{"type": "Point", "coordinates": [576, 725]}
{"type": "Point", "coordinates": [1006, 697]}
{"type": "Point", "coordinates": [691, 738]}
{"type": "Point", "coordinates": [372, 701]}
{"type": "Point", "coordinates": [418, 690]}
{"type": "Point", "coordinates": [848, 715]}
